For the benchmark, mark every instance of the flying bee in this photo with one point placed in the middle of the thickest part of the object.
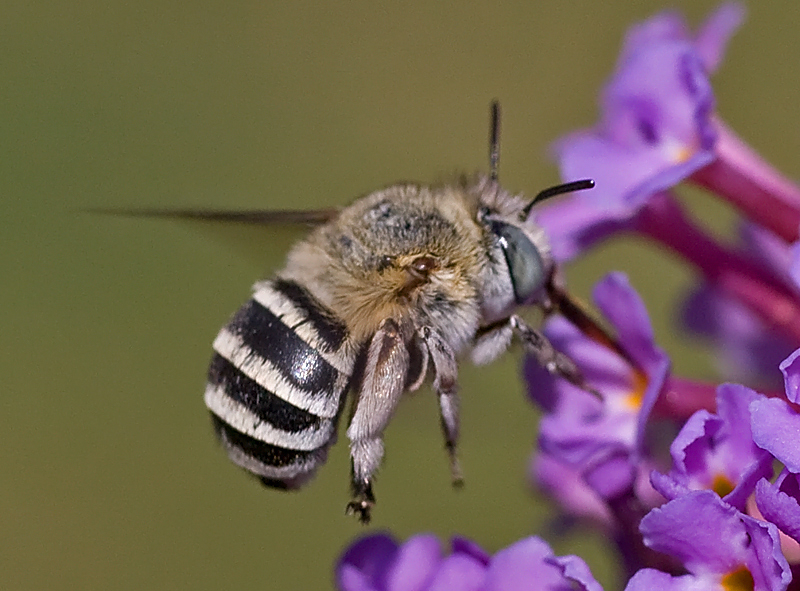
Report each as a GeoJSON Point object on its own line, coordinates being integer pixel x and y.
{"type": "Point", "coordinates": [380, 295]}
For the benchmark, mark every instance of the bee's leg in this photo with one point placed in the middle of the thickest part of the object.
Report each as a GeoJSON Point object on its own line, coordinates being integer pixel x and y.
{"type": "Point", "coordinates": [446, 386]}
{"type": "Point", "coordinates": [560, 300]}
{"type": "Point", "coordinates": [548, 357]}
{"type": "Point", "coordinates": [491, 341]}
{"type": "Point", "coordinates": [363, 497]}
{"type": "Point", "coordinates": [417, 363]}
{"type": "Point", "coordinates": [382, 384]}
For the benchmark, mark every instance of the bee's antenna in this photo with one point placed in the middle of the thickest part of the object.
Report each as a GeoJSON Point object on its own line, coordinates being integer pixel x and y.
{"type": "Point", "coordinates": [494, 140]}
{"type": "Point", "coordinates": [557, 190]}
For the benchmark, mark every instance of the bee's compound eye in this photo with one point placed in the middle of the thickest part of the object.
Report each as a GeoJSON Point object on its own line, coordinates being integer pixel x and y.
{"type": "Point", "coordinates": [525, 264]}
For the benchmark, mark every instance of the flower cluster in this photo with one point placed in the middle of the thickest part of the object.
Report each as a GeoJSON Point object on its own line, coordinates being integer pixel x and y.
{"type": "Point", "coordinates": [378, 563]}
{"type": "Point", "coordinates": [721, 509]}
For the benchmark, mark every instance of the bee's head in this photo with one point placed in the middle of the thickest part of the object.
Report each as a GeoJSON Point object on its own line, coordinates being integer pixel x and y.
{"type": "Point", "coordinates": [518, 249]}
{"type": "Point", "coordinates": [527, 257]}
{"type": "Point", "coordinates": [519, 256]}
{"type": "Point", "coordinates": [524, 247]}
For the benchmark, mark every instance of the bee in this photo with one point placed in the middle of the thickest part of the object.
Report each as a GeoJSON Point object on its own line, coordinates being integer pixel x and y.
{"type": "Point", "coordinates": [390, 290]}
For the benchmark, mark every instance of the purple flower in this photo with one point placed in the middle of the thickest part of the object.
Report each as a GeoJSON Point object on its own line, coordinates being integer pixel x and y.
{"type": "Point", "coordinates": [716, 452]}
{"type": "Point", "coordinates": [602, 440]}
{"type": "Point", "coordinates": [378, 563]}
{"type": "Point", "coordinates": [658, 128]}
{"type": "Point", "coordinates": [601, 444]}
{"type": "Point", "coordinates": [775, 424]}
{"type": "Point", "coordinates": [720, 547]}
{"type": "Point", "coordinates": [655, 128]}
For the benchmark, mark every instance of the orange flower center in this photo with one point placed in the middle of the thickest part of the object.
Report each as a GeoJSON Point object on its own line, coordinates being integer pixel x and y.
{"type": "Point", "coordinates": [635, 397]}
{"type": "Point", "coordinates": [721, 485]}
{"type": "Point", "coordinates": [738, 580]}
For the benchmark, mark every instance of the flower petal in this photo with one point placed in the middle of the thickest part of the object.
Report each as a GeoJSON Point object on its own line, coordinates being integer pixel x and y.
{"type": "Point", "coordinates": [711, 537]}
{"type": "Point", "coordinates": [458, 572]}
{"type": "Point", "coordinates": [776, 428]}
{"type": "Point", "coordinates": [527, 564]}
{"type": "Point", "coordinates": [415, 564]}
{"type": "Point", "coordinates": [648, 579]}
{"type": "Point", "coordinates": [363, 566]}
{"type": "Point", "coordinates": [779, 502]}
{"type": "Point", "coordinates": [790, 368]}
{"type": "Point", "coordinates": [713, 37]}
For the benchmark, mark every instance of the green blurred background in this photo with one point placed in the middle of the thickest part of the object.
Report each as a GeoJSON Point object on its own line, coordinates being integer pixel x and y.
{"type": "Point", "coordinates": [110, 475]}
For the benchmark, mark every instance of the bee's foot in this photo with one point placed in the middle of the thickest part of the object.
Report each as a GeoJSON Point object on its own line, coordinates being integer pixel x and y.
{"type": "Point", "coordinates": [360, 507]}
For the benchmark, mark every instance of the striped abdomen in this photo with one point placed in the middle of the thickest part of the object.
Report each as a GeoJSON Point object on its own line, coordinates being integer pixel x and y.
{"type": "Point", "coordinates": [277, 382]}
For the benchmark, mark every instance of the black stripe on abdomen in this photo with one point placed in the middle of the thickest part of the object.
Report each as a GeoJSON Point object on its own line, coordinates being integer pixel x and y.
{"type": "Point", "coordinates": [277, 382]}
{"type": "Point", "coordinates": [271, 455]}
{"type": "Point", "coordinates": [267, 406]}
{"type": "Point", "coordinates": [275, 466]}
{"type": "Point", "coordinates": [296, 361]}
{"type": "Point", "coordinates": [331, 332]}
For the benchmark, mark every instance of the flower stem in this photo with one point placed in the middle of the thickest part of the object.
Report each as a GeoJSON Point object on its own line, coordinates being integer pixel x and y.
{"type": "Point", "coordinates": [759, 191]}
{"type": "Point", "coordinates": [682, 397]}
{"type": "Point", "coordinates": [664, 221]}
{"type": "Point", "coordinates": [628, 511]}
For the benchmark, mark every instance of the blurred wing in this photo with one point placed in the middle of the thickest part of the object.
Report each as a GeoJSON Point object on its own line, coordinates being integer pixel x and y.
{"type": "Point", "coordinates": [309, 217]}
{"type": "Point", "coordinates": [241, 231]}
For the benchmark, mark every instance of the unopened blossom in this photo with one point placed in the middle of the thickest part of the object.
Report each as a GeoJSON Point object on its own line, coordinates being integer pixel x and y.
{"type": "Point", "coordinates": [746, 348]}
{"type": "Point", "coordinates": [378, 563]}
